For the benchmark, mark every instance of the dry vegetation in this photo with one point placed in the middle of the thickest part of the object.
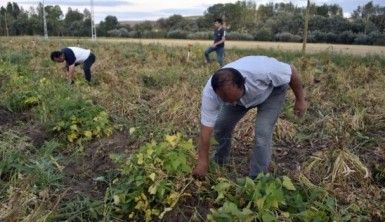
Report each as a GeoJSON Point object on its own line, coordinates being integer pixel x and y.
{"type": "Point", "coordinates": [151, 90]}
{"type": "Point", "coordinates": [312, 48]}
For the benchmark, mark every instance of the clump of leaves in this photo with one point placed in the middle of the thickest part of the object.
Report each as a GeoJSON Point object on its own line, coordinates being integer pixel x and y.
{"type": "Point", "coordinates": [18, 93]}
{"type": "Point", "coordinates": [80, 119]}
{"type": "Point", "coordinates": [20, 101]}
{"type": "Point", "coordinates": [152, 181]}
{"type": "Point", "coordinates": [270, 199]}
{"type": "Point", "coordinates": [60, 106]}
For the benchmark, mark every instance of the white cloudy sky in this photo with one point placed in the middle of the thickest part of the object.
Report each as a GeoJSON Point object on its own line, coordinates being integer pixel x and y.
{"type": "Point", "coordinates": [155, 9]}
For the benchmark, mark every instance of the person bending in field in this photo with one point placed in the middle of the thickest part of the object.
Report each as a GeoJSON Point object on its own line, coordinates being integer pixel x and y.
{"type": "Point", "coordinates": [74, 56]}
{"type": "Point", "coordinates": [250, 82]}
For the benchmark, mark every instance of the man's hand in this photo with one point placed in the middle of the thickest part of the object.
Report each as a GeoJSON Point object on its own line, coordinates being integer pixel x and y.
{"type": "Point", "coordinates": [300, 107]}
{"type": "Point", "coordinates": [200, 170]}
{"type": "Point", "coordinates": [71, 73]}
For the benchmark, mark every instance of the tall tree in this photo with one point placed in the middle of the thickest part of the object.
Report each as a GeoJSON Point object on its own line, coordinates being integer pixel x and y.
{"type": "Point", "coordinates": [54, 15]}
{"type": "Point", "coordinates": [264, 12]}
{"type": "Point", "coordinates": [3, 21]}
{"type": "Point", "coordinates": [372, 16]}
{"type": "Point", "coordinates": [73, 22]}
{"type": "Point", "coordinates": [109, 23]}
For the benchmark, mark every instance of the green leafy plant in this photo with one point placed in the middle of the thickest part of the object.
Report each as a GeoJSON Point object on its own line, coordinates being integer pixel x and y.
{"type": "Point", "coordinates": [13, 154]}
{"type": "Point", "coordinates": [58, 105]}
{"type": "Point", "coordinates": [81, 119]}
{"type": "Point", "coordinates": [152, 180]}
{"type": "Point", "coordinates": [268, 199]}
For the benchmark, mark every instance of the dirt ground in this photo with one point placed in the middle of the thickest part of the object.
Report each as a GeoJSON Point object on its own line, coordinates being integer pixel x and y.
{"type": "Point", "coordinates": [25, 125]}
{"type": "Point", "coordinates": [82, 170]}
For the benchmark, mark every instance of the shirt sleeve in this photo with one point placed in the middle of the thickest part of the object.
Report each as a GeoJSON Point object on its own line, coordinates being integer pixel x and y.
{"type": "Point", "coordinates": [281, 74]}
{"type": "Point", "coordinates": [210, 107]}
{"type": "Point", "coordinates": [69, 56]}
{"type": "Point", "coordinates": [222, 33]}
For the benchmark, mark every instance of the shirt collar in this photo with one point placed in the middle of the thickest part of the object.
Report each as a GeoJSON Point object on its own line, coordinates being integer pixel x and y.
{"type": "Point", "coordinates": [241, 100]}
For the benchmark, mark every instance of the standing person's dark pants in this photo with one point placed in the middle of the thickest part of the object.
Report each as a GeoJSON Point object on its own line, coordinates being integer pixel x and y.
{"type": "Point", "coordinates": [220, 54]}
{"type": "Point", "coordinates": [87, 66]}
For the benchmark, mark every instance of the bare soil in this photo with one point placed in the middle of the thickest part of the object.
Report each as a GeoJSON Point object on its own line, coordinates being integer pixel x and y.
{"type": "Point", "coordinates": [24, 124]}
{"type": "Point", "coordinates": [82, 171]}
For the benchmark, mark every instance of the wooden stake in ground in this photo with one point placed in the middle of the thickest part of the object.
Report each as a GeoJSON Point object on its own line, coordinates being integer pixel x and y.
{"type": "Point", "coordinates": [306, 27]}
{"type": "Point", "coordinates": [188, 52]}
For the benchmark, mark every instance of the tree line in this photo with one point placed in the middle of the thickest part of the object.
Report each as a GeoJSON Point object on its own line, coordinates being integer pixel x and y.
{"type": "Point", "coordinates": [244, 21]}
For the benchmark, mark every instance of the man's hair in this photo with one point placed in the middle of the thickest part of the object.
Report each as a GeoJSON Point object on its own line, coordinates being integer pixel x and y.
{"type": "Point", "coordinates": [227, 76]}
{"type": "Point", "coordinates": [219, 20]}
{"type": "Point", "coordinates": [55, 54]}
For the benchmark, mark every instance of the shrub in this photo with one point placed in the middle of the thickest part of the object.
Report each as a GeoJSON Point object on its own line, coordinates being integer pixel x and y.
{"type": "Point", "coordinates": [361, 39]}
{"type": "Point", "coordinates": [377, 38]}
{"type": "Point", "coordinates": [331, 37]}
{"type": "Point", "coordinates": [153, 34]}
{"type": "Point", "coordinates": [317, 36]}
{"type": "Point", "coordinates": [177, 34]}
{"type": "Point", "coordinates": [200, 35]}
{"type": "Point", "coordinates": [287, 37]}
{"type": "Point", "coordinates": [134, 34]}
{"type": "Point", "coordinates": [239, 36]}
{"type": "Point", "coordinates": [263, 35]}
{"type": "Point", "coordinates": [122, 32]}
{"type": "Point", "coordinates": [346, 37]}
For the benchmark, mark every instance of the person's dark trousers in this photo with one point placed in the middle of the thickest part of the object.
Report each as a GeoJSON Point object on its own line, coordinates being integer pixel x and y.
{"type": "Point", "coordinates": [220, 51]}
{"type": "Point", "coordinates": [87, 66]}
{"type": "Point", "coordinates": [267, 115]}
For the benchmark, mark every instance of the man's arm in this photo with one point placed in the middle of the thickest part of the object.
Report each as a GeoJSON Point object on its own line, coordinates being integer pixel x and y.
{"type": "Point", "coordinates": [219, 42]}
{"type": "Point", "coordinates": [71, 72]}
{"type": "Point", "coordinates": [300, 105]}
{"type": "Point", "coordinates": [201, 168]}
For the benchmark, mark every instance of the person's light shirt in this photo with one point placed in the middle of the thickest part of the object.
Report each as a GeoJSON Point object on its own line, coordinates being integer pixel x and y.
{"type": "Point", "coordinates": [262, 74]}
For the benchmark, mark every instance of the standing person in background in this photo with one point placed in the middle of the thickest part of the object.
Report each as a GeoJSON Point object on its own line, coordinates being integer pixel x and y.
{"type": "Point", "coordinates": [74, 56]}
{"type": "Point", "coordinates": [219, 43]}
